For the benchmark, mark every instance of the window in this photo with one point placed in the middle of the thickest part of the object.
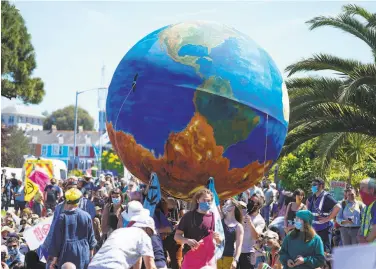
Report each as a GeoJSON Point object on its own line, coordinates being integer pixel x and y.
{"type": "Point", "coordinates": [57, 150]}
{"type": "Point", "coordinates": [63, 174]}
{"type": "Point", "coordinates": [83, 151]}
{"type": "Point", "coordinates": [26, 119]}
{"type": "Point", "coordinates": [20, 119]}
{"type": "Point", "coordinates": [44, 150]}
{"type": "Point", "coordinates": [38, 121]}
{"type": "Point", "coordinates": [32, 120]}
{"type": "Point", "coordinates": [2, 119]}
{"type": "Point", "coordinates": [11, 119]}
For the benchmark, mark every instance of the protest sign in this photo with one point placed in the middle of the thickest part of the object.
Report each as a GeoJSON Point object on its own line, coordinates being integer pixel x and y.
{"type": "Point", "coordinates": [36, 235]}
{"type": "Point", "coordinates": [361, 256]}
{"type": "Point", "coordinates": [337, 189]}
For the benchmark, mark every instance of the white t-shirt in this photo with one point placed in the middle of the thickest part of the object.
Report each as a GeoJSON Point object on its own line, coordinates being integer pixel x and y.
{"type": "Point", "coordinates": [122, 249]}
{"type": "Point", "coordinates": [248, 241]}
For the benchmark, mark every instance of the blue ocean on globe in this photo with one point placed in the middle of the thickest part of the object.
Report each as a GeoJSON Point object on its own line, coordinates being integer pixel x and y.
{"type": "Point", "coordinates": [208, 102]}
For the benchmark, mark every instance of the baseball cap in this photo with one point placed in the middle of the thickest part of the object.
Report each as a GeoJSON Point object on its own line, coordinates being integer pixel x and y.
{"type": "Point", "coordinates": [135, 208]}
{"type": "Point", "coordinates": [7, 229]}
{"type": "Point", "coordinates": [270, 235]}
{"type": "Point", "coordinates": [143, 221]}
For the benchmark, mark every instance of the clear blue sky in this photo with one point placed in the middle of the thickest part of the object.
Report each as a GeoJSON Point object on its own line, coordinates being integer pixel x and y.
{"type": "Point", "coordinates": [72, 40]}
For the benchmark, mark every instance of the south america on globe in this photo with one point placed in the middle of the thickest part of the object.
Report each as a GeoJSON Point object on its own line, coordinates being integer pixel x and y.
{"type": "Point", "coordinates": [208, 102]}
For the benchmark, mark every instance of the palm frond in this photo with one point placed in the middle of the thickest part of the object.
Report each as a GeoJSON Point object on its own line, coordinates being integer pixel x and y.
{"type": "Point", "coordinates": [352, 9]}
{"type": "Point", "coordinates": [321, 62]}
{"type": "Point", "coordinates": [328, 145]}
{"type": "Point", "coordinates": [372, 21]}
{"type": "Point", "coordinates": [355, 84]}
{"type": "Point", "coordinates": [333, 117]}
{"type": "Point", "coordinates": [348, 24]}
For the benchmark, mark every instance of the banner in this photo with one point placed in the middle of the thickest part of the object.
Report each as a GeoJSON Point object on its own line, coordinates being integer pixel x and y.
{"type": "Point", "coordinates": [30, 189]}
{"type": "Point", "coordinates": [337, 189]}
{"type": "Point", "coordinates": [36, 235]}
{"type": "Point", "coordinates": [154, 194]}
{"type": "Point", "coordinates": [217, 218]}
{"type": "Point", "coordinates": [350, 257]}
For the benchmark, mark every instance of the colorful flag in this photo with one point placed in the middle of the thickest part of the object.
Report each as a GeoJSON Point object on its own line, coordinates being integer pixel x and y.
{"type": "Point", "coordinates": [217, 219]}
{"type": "Point", "coordinates": [40, 178]}
{"type": "Point", "coordinates": [154, 194]}
{"type": "Point", "coordinates": [30, 189]}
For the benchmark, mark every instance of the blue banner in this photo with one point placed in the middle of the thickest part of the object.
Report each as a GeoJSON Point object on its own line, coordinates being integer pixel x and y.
{"type": "Point", "coordinates": [217, 218]}
{"type": "Point", "coordinates": [154, 194]}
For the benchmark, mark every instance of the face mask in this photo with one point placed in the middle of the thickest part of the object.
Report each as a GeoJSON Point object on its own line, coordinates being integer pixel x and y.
{"type": "Point", "coordinates": [267, 248]}
{"type": "Point", "coordinates": [298, 225]}
{"type": "Point", "coordinates": [116, 200]}
{"type": "Point", "coordinates": [366, 198]}
{"type": "Point", "coordinates": [12, 252]}
{"type": "Point", "coordinates": [204, 206]}
{"type": "Point", "coordinates": [314, 189]}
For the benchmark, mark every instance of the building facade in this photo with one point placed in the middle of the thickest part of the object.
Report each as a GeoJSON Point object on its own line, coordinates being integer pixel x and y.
{"type": "Point", "coordinates": [24, 117]}
{"type": "Point", "coordinates": [56, 144]}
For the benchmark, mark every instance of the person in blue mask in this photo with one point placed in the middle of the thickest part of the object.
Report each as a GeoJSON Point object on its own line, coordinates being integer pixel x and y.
{"type": "Point", "coordinates": [112, 212]}
{"type": "Point", "coordinates": [324, 208]}
{"type": "Point", "coordinates": [14, 253]}
{"type": "Point", "coordinates": [302, 248]}
{"type": "Point", "coordinates": [196, 226]}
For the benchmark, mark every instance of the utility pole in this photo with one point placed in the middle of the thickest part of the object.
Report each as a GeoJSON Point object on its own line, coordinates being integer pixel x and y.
{"type": "Point", "coordinates": [102, 96]}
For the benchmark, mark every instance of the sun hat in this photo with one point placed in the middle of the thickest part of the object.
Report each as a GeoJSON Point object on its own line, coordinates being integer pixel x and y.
{"type": "Point", "coordinates": [270, 235]}
{"type": "Point", "coordinates": [98, 208]}
{"type": "Point", "coordinates": [7, 229]}
{"type": "Point", "coordinates": [143, 221]}
{"type": "Point", "coordinates": [134, 208]}
{"type": "Point", "coordinates": [305, 215]}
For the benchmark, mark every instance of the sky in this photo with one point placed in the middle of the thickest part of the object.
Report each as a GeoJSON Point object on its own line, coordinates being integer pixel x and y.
{"type": "Point", "coordinates": [74, 40]}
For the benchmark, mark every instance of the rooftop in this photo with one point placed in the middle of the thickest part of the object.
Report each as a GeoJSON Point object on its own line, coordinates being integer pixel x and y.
{"type": "Point", "coordinates": [52, 137]}
{"type": "Point", "coordinates": [22, 110]}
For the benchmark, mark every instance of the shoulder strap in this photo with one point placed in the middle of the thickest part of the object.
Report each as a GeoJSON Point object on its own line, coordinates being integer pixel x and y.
{"type": "Point", "coordinates": [344, 203]}
{"type": "Point", "coordinates": [322, 200]}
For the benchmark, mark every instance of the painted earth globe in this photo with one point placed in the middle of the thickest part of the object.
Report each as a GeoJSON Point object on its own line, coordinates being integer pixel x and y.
{"type": "Point", "coordinates": [196, 100]}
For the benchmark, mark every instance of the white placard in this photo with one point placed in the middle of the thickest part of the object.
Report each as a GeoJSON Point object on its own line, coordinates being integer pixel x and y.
{"type": "Point", "coordinates": [351, 257]}
{"type": "Point", "coordinates": [36, 235]}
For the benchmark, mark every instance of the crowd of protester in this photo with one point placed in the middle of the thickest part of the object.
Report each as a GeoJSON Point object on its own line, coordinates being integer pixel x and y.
{"type": "Point", "coordinates": [101, 223]}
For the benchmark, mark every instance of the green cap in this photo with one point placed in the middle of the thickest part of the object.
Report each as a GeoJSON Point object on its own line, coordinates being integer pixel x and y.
{"type": "Point", "coordinates": [305, 215]}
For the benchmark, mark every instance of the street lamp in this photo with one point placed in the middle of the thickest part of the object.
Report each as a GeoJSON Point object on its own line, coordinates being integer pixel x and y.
{"type": "Point", "coordinates": [75, 121]}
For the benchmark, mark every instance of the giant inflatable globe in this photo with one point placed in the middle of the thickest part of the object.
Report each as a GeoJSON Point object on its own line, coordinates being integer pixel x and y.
{"type": "Point", "coordinates": [208, 102]}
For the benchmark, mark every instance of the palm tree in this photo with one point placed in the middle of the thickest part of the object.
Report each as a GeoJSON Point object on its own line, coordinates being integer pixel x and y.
{"type": "Point", "coordinates": [332, 108]}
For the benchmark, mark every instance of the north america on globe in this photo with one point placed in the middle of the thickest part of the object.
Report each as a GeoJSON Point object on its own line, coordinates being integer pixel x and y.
{"type": "Point", "coordinates": [209, 102]}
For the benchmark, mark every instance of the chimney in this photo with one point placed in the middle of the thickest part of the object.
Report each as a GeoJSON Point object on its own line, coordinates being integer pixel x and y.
{"type": "Point", "coordinates": [53, 128]}
{"type": "Point", "coordinates": [80, 129]}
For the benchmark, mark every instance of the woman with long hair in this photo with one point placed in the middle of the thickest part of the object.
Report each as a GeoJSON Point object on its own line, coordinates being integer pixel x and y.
{"type": "Point", "coordinates": [112, 212]}
{"type": "Point", "coordinates": [302, 248]}
{"type": "Point", "coordinates": [196, 232]}
{"type": "Point", "coordinates": [292, 208]}
{"type": "Point", "coordinates": [234, 231]}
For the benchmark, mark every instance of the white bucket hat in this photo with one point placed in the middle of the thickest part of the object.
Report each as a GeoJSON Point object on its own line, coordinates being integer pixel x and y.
{"type": "Point", "coordinates": [135, 208]}
{"type": "Point", "coordinates": [143, 221]}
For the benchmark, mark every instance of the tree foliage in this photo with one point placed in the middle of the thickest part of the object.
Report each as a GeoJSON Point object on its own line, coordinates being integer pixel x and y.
{"type": "Point", "coordinates": [64, 119]}
{"type": "Point", "coordinates": [14, 145]}
{"type": "Point", "coordinates": [18, 58]}
{"type": "Point", "coordinates": [297, 169]}
{"type": "Point", "coordinates": [111, 161]}
{"type": "Point", "coordinates": [334, 108]}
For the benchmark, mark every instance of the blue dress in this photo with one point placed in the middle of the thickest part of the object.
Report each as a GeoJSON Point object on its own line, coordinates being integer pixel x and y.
{"type": "Point", "coordinates": [73, 238]}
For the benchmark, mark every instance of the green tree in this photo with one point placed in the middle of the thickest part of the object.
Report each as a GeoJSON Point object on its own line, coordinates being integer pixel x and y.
{"type": "Point", "coordinates": [332, 108]}
{"type": "Point", "coordinates": [352, 156]}
{"type": "Point", "coordinates": [18, 58]}
{"type": "Point", "coordinates": [14, 145]}
{"type": "Point", "coordinates": [111, 161]}
{"type": "Point", "coordinates": [297, 169]}
{"type": "Point", "coordinates": [64, 119]}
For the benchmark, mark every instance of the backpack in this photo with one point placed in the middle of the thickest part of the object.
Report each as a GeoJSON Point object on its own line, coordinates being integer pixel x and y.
{"type": "Point", "coordinates": [51, 194]}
